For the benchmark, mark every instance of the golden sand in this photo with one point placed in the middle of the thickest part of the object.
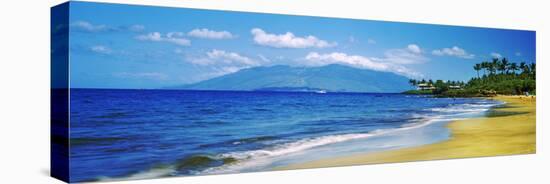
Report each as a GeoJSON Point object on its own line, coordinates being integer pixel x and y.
{"type": "Point", "coordinates": [511, 132]}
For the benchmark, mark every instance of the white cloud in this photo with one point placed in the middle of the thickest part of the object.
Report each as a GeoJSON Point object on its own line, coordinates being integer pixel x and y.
{"type": "Point", "coordinates": [454, 51]}
{"type": "Point", "coordinates": [316, 59]}
{"type": "Point", "coordinates": [227, 69]}
{"type": "Point", "coordinates": [288, 40]}
{"type": "Point", "coordinates": [496, 55]}
{"type": "Point", "coordinates": [518, 53]}
{"type": "Point", "coordinates": [230, 57]}
{"type": "Point", "coordinates": [155, 36]}
{"type": "Point", "coordinates": [412, 54]}
{"type": "Point", "coordinates": [136, 28]}
{"type": "Point", "coordinates": [101, 49]}
{"type": "Point", "coordinates": [142, 75]}
{"type": "Point", "coordinates": [263, 58]}
{"type": "Point", "coordinates": [221, 62]}
{"type": "Point", "coordinates": [171, 37]}
{"type": "Point", "coordinates": [88, 27]}
{"type": "Point", "coordinates": [210, 34]}
{"type": "Point", "coordinates": [414, 48]}
{"type": "Point", "coordinates": [85, 26]}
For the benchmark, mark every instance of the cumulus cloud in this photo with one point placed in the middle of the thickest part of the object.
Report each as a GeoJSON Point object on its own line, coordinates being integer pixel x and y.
{"type": "Point", "coordinates": [89, 27]}
{"type": "Point", "coordinates": [412, 54]}
{"type": "Point", "coordinates": [84, 26]}
{"type": "Point", "coordinates": [171, 37]}
{"type": "Point", "coordinates": [453, 51]}
{"type": "Point", "coordinates": [316, 59]}
{"type": "Point", "coordinates": [210, 34]}
{"type": "Point", "coordinates": [414, 48]}
{"type": "Point", "coordinates": [496, 55]}
{"type": "Point", "coordinates": [288, 40]}
{"type": "Point", "coordinates": [229, 57]}
{"type": "Point", "coordinates": [101, 49]}
{"type": "Point", "coordinates": [142, 75]}
{"type": "Point", "coordinates": [222, 62]}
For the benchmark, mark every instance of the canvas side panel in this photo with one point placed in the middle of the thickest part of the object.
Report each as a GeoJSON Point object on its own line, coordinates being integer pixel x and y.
{"type": "Point", "coordinates": [59, 106]}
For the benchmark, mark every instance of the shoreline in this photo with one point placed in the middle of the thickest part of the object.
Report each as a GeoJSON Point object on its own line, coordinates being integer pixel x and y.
{"type": "Point", "coordinates": [506, 130]}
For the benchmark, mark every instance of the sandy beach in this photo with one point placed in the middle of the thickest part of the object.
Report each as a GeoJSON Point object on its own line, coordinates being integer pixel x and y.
{"type": "Point", "coordinates": [506, 130]}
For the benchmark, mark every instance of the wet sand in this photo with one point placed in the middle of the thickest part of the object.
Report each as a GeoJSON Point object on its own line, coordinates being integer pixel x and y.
{"type": "Point", "coordinates": [506, 130]}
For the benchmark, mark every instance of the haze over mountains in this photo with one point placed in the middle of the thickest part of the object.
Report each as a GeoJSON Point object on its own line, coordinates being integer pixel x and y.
{"type": "Point", "coordinates": [331, 78]}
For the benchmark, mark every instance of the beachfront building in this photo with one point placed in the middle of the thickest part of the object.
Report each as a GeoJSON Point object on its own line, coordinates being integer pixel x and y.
{"type": "Point", "coordinates": [455, 87]}
{"type": "Point", "coordinates": [425, 86]}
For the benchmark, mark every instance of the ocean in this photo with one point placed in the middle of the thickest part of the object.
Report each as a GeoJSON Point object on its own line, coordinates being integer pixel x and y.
{"type": "Point", "coordinates": [137, 134]}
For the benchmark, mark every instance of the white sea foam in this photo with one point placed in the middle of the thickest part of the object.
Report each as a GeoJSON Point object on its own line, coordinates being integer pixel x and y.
{"type": "Point", "coordinates": [452, 110]}
{"type": "Point", "coordinates": [255, 158]}
{"type": "Point", "coordinates": [467, 108]}
{"type": "Point", "coordinates": [297, 146]}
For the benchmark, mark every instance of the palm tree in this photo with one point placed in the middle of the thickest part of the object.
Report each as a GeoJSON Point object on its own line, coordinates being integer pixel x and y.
{"type": "Point", "coordinates": [484, 66]}
{"type": "Point", "coordinates": [504, 65]}
{"type": "Point", "coordinates": [493, 66]}
{"type": "Point", "coordinates": [514, 67]}
{"type": "Point", "coordinates": [523, 67]}
{"type": "Point", "coordinates": [412, 82]}
{"type": "Point", "coordinates": [477, 67]}
{"type": "Point", "coordinates": [439, 83]}
{"type": "Point", "coordinates": [498, 66]}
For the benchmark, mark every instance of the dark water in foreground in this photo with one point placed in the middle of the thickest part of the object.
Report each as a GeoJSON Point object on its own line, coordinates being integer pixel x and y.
{"type": "Point", "coordinates": [133, 134]}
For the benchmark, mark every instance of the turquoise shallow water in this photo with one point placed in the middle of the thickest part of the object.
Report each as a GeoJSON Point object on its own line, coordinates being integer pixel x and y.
{"type": "Point", "coordinates": [134, 134]}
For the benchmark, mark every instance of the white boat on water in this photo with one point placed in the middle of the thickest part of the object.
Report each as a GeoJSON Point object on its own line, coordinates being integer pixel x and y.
{"type": "Point", "coordinates": [321, 91]}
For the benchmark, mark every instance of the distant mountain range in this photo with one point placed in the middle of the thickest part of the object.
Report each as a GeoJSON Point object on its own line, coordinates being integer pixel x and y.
{"type": "Point", "coordinates": [331, 78]}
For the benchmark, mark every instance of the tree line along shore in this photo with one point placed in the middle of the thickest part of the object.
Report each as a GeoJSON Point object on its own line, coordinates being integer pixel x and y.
{"type": "Point", "coordinates": [495, 77]}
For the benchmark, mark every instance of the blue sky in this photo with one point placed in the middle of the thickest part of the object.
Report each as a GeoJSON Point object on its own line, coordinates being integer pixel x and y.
{"type": "Point", "coordinates": [122, 46]}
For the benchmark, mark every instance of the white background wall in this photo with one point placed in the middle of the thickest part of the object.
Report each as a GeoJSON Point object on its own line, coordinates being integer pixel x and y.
{"type": "Point", "coordinates": [24, 89]}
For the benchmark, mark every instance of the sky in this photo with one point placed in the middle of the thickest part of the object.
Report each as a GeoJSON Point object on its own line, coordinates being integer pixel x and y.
{"type": "Point", "coordinates": [124, 46]}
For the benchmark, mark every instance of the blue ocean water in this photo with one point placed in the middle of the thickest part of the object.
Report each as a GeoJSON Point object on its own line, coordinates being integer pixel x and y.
{"type": "Point", "coordinates": [134, 134]}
